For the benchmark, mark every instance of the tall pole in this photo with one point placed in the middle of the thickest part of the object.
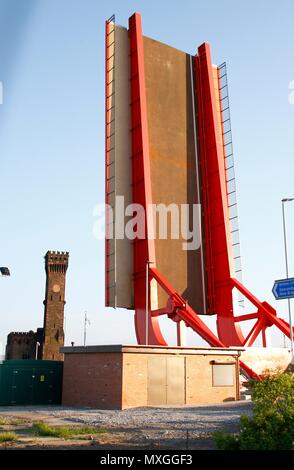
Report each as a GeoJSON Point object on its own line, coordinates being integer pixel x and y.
{"type": "Point", "coordinates": [287, 274]}
{"type": "Point", "coordinates": [147, 303]}
{"type": "Point", "coordinates": [37, 349]}
{"type": "Point", "coordinates": [86, 322]}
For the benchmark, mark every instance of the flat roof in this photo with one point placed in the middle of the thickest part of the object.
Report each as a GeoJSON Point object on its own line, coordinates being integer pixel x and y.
{"type": "Point", "coordinates": [131, 348]}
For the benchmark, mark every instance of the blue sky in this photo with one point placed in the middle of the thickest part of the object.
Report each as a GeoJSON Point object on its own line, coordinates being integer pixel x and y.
{"type": "Point", "coordinates": [52, 143]}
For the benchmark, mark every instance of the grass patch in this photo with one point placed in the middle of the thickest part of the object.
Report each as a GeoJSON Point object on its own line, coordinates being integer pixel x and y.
{"type": "Point", "coordinates": [7, 436]}
{"type": "Point", "coordinates": [18, 422]}
{"type": "Point", "coordinates": [12, 421]}
{"type": "Point", "coordinates": [65, 432]}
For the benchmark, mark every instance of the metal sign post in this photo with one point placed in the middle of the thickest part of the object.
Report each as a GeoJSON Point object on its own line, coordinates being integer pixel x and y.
{"type": "Point", "coordinates": [289, 199]}
{"type": "Point", "coordinates": [284, 289]}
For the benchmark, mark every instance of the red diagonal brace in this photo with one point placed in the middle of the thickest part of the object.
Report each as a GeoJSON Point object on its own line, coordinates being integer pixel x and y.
{"type": "Point", "coordinates": [186, 313]}
{"type": "Point", "coordinates": [264, 309]}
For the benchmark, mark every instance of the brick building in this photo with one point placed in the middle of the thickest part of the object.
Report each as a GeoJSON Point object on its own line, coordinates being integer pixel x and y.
{"type": "Point", "coordinates": [45, 342]}
{"type": "Point", "coordinates": [126, 376]}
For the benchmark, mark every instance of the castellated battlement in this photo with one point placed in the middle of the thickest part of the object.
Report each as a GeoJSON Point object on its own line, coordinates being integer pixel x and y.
{"type": "Point", "coordinates": [21, 345]}
{"type": "Point", "coordinates": [20, 334]}
{"type": "Point", "coordinates": [57, 257]}
{"type": "Point", "coordinates": [56, 261]}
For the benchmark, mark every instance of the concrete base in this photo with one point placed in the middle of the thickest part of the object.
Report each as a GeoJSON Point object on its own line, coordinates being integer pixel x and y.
{"type": "Point", "coordinates": [263, 360]}
{"type": "Point", "coordinates": [118, 376]}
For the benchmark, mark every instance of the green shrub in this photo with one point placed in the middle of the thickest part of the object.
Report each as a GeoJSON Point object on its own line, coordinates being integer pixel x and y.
{"type": "Point", "coordinates": [226, 441]}
{"type": "Point", "coordinates": [7, 436]}
{"type": "Point", "coordinates": [272, 425]}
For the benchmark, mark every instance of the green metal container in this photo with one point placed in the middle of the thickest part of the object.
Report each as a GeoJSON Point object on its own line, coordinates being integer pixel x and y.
{"type": "Point", "coordinates": [30, 382]}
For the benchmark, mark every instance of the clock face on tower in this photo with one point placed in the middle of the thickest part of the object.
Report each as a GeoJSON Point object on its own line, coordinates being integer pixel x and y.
{"type": "Point", "coordinates": [56, 288]}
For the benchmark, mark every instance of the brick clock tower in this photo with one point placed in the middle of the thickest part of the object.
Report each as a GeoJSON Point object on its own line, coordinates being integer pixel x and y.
{"type": "Point", "coordinates": [56, 264]}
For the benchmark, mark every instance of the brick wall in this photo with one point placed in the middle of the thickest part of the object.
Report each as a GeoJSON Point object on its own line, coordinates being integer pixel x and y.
{"type": "Point", "coordinates": [198, 380]}
{"type": "Point", "coordinates": [92, 380]}
{"type": "Point", "coordinates": [199, 387]}
{"type": "Point", "coordinates": [134, 380]}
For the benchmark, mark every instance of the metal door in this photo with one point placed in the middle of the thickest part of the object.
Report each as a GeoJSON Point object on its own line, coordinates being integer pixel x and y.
{"type": "Point", "coordinates": [166, 381]}
{"type": "Point", "coordinates": [156, 381]}
{"type": "Point", "coordinates": [175, 381]}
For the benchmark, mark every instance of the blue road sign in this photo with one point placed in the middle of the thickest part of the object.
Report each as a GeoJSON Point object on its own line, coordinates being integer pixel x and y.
{"type": "Point", "coordinates": [284, 289]}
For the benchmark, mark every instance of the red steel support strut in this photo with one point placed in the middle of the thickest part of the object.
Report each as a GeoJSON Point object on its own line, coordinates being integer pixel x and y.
{"type": "Point", "coordinates": [215, 203]}
{"type": "Point", "coordinates": [144, 250]}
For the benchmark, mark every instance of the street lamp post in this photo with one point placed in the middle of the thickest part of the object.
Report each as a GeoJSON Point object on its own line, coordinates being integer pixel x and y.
{"type": "Point", "coordinates": [4, 271]}
{"type": "Point", "coordinates": [287, 273]}
{"type": "Point", "coordinates": [37, 349]}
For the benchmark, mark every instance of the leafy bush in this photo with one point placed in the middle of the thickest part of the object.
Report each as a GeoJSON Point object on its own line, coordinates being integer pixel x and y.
{"type": "Point", "coordinates": [272, 425]}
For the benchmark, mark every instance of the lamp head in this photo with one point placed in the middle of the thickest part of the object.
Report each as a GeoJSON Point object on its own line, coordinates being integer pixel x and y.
{"type": "Point", "coordinates": [4, 271]}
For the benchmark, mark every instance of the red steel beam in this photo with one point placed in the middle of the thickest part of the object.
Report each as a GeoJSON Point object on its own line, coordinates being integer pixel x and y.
{"type": "Point", "coordinates": [263, 332]}
{"type": "Point", "coordinates": [215, 202]}
{"type": "Point", "coordinates": [264, 309]}
{"type": "Point", "coordinates": [143, 249]}
{"type": "Point", "coordinates": [205, 196]}
{"type": "Point", "coordinates": [186, 313]}
{"type": "Point", "coordinates": [258, 328]}
{"type": "Point", "coordinates": [245, 317]}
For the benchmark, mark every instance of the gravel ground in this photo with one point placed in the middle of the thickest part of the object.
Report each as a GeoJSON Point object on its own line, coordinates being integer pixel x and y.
{"type": "Point", "coordinates": [146, 428]}
{"type": "Point", "coordinates": [198, 418]}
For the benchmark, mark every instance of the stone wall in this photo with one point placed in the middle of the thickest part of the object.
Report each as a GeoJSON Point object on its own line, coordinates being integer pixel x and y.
{"type": "Point", "coordinates": [21, 345]}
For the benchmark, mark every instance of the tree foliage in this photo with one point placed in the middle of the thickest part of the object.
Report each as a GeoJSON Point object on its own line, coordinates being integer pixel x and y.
{"type": "Point", "coordinates": [271, 426]}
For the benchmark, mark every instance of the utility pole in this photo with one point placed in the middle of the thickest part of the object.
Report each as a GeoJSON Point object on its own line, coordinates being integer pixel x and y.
{"type": "Point", "coordinates": [86, 322]}
{"type": "Point", "coordinates": [287, 274]}
{"type": "Point", "coordinates": [147, 303]}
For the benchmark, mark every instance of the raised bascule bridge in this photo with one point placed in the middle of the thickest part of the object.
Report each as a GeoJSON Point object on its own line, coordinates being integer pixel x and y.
{"type": "Point", "coordinates": [168, 141]}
